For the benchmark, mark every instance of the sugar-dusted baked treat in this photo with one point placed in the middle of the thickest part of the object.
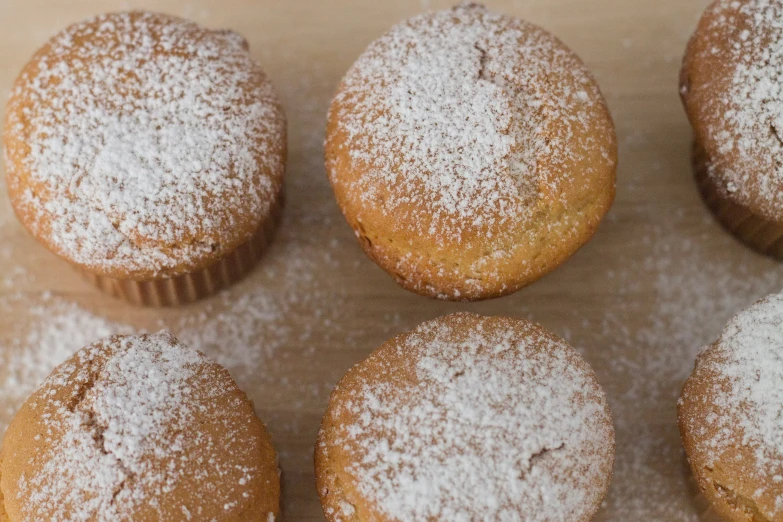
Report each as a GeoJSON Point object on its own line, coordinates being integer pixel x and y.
{"type": "Point", "coordinates": [466, 418]}
{"type": "Point", "coordinates": [148, 152]}
{"type": "Point", "coordinates": [731, 420]}
{"type": "Point", "coordinates": [471, 152]}
{"type": "Point", "coordinates": [139, 428]}
{"type": "Point", "coordinates": [730, 88]}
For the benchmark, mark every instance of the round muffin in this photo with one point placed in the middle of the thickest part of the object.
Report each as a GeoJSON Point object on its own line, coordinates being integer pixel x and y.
{"type": "Point", "coordinates": [731, 420]}
{"type": "Point", "coordinates": [138, 428]}
{"type": "Point", "coordinates": [148, 152]}
{"type": "Point", "coordinates": [729, 86]}
{"type": "Point", "coordinates": [466, 418]}
{"type": "Point", "coordinates": [471, 153]}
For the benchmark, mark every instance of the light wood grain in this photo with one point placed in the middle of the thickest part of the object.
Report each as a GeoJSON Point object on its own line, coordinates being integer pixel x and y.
{"type": "Point", "coordinates": [658, 281]}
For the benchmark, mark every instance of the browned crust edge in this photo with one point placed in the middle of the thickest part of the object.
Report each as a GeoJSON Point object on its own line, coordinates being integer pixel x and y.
{"type": "Point", "coordinates": [418, 273]}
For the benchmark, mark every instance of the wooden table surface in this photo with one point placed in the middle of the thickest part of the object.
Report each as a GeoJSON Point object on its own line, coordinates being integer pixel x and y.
{"type": "Point", "coordinates": [658, 281]}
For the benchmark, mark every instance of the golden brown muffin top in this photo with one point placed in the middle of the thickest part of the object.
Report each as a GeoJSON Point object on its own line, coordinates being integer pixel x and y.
{"type": "Point", "coordinates": [467, 418]}
{"type": "Point", "coordinates": [139, 428]}
{"type": "Point", "coordinates": [730, 86]}
{"type": "Point", "coordinates": [731, 418]}
{"type": "Point", "coordinates": [140, 144]}
{"type": "Point", "coordinates": [457, 126]}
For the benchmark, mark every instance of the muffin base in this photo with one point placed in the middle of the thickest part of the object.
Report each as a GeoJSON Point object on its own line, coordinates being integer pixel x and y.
{"type": "Point", "coordinates": [188, 288]}
{"type": "Point", "coordinates": [760, 234]}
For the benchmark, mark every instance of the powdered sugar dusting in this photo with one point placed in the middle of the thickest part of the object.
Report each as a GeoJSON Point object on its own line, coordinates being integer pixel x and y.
{"type": "Point", "coordinates": [447, 114]}
{"type": "Point", "coordinates": [142, 142]}
{"type": "Point", "coordinates": [644, 343]}
{"type": "Point", "coordinates": [640, 318]}
{"type": "Point", "coordinates": [247, 329]}
{"type": "Point", "coordinates": [745, 367]}
{"type": "Point", "coordinates": [57, 329]}
{"type": "Point", "coordinates": [116, 428]}
{"type": "Point", "coordinates": [128, 404]}
{"type": "Point", "coordinates": [749, 113]}
{"type": "Point", "coordinates": [495, 424]}
{"type": "Point", "coordinates": [754, 366]}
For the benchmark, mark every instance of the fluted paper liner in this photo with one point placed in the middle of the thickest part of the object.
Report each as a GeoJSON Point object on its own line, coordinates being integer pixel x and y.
{"type": "Point", "coordinates": [760, 234]}
{"type": "Point", "coordinates": [187, 288]}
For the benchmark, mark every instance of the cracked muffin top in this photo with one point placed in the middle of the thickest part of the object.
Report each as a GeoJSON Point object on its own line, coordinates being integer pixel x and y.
{"type": "Point", "coordinates": [471, 151]}
{"type": "Point", "coordinates": [731, 416]}
{"type": "Point", "coordinates": [467, 418]}
{"type": "Point", "coordinates": [730, 86]}
{"type": "Point", "coordinates": [141, 145]}
{"type": "Point", "coordinates": [138, 428]}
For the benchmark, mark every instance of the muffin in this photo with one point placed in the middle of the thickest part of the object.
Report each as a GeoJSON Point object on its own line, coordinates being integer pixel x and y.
{"type": "Point", "coordinates": [730, 416]}
{"type": "Point", "coordinates": [471, 153]}
{"type": "Point", "coordinates": [149, 153]}
{"type": "Point", "coordinates": [138, 428]}
{"type": "Point", "coordinates": [729, 86]}
{"type": "Point", "coordinates": [466, 418]}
